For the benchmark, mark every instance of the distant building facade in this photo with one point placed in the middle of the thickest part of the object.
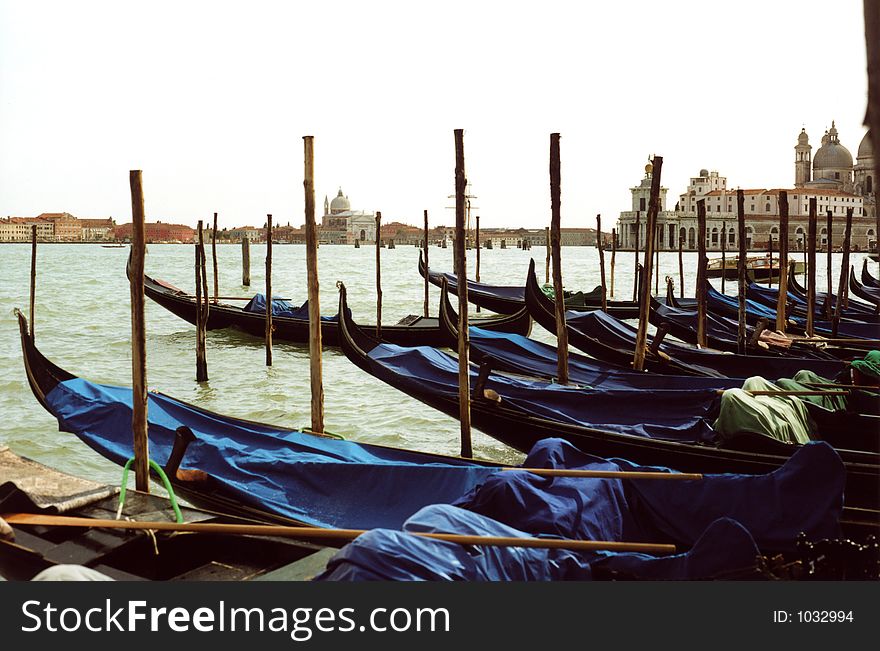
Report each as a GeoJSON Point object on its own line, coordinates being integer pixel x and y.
{"type": "Point", "coordinates": [342, 225]}
{"type": "Point", "coordinates": [830, 178]}
{"type": "Point", "coordinates": [158, 232]}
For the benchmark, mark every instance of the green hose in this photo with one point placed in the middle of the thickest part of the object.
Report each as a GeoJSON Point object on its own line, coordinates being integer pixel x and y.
{"type": "Point", "coordinates": [155, 466]}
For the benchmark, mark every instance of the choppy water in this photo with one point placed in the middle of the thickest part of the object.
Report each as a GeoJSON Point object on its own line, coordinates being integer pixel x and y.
{"type": "Point", "coordinates": [83, 325]}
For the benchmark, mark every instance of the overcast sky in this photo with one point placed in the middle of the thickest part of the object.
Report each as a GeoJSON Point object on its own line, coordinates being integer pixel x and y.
{"type": "Point", "coordinates": [211, 100]}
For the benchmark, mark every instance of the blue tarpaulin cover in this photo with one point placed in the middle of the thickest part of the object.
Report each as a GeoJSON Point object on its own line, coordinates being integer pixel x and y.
{"type": "Point", "coordinates": [720, 522]}
{"type": "Point", "coordinates": [320, 481]}
{"type": "Point", "coordinates": [282, 308]}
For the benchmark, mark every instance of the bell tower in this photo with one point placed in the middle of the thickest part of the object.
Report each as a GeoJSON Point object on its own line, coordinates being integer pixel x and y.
{"type": "Point", "coordinates": [802, 160]}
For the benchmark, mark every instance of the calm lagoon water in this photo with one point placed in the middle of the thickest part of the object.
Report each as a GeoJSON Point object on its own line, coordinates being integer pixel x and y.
{"type": "Point", "coordinates": [83, 325]}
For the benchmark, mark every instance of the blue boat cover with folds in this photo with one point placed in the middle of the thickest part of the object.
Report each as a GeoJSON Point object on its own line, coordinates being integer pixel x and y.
{"type": "Point", "coordinates": [506, 292]}
{"type": "Point", "coordinates": [676, 414]}
{"type": "Point", "coordinates": [280, 307]}
{"type": "Point", "coordinates": [719, 522]}
{"type": "Point", "coordinates": [320, 481]}
{"type": "Point", "coordinates": [528, 356]}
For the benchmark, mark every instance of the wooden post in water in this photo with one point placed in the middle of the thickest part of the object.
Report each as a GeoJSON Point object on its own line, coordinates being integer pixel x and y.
{"type": "Point", "coordinates": [645, 297]}
{"type": "Point", "coordinates": [547, 262]}
{"type": "Point", "coordinates": [811, 266]}
{"type": "Point", "coordinates": [723, 255]}
{"type": "Point", "coordinates": [33, 278]}
{"type": "Point", "coordinates": [459, 252]}
{"type": "Point", "coordinates": [556, 254]}
{"type": "Point", "coordinates": [782, 300]}
{"type": "Point", "coordinates": [601, 246]}
{"type": "Point", "coordinates": [657, 268]}
{"type": "Point", "coordinates": [201, 314]}
{"type": "Point", "coordinates": [829, 287]}
{"type": "Point", "coordinates": [613, 255]}
{"type": "Point", "coordinates": [844, 273]}
{"type": "Point", "coordinates": [741, 270]}
{"type": "Point", "coordinates": [770, 260]}
{"type": "Point", "coordinates": [426, 264]}
{"type": "Point", "coordinates": [636, 278]}
{"type": "Point", "coordinates": [245, 261]}
{"type": "Point", "coordinates": [477, 244]}
{"type": "Point", "coordinates": [315, 368]}
{"type": "Point", "coordinates": [138, 336]}
{"type": "Point", "coordinates": [214, 257]}
{"type": "Point", "coordinates": [681, 266]}
{"type": "Point", "coordinates": [378, 275]}
{"type": "Point", "coordinates": [268, 290]}
{"type": "Point", "coordinates": [700, 292]}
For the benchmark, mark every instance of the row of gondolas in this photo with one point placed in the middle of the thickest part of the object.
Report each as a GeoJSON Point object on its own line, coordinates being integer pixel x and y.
{"type": "Point", "coordinates": [764, 465]}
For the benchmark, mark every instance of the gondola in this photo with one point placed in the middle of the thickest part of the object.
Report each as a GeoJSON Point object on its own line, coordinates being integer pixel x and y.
{"type": "Point", "coordinates": [864, 310]}
{"type": "Point", "coordinates": [867, 279]}
{"type": "Point", "coordinates": [796, 306]}
{"type": "Point", "coordinates": [411, 331]}
{"type": "Point", "coordinates": [758, 267]}
{"type": "Point", "coordinates": [506, 299]}
{"type": "Point", "coordinates": [868, 294]}
{"type": "Point", "coordinates": [28, 487]}
{"type": "Point", "coordinates": [606, 423]}
{"type": "Point", "coordinates": [609, 339]}
{"type": "Point", "coordinates": [249, 469]}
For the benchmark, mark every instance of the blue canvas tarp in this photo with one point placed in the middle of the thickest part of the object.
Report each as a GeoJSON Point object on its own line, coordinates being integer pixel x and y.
{"type": "Point", "coordinates": [720, 523]}
{"type": "Point", "coordinates": [282, 308]}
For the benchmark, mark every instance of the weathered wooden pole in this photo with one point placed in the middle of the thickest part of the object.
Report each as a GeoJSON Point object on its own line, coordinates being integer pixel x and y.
{"type": "Point", "coordinates": [201, 315]}
{"type": "Point", "coordinates": [844, 273]}
{"type": "Point", "coordinates": [315, 368]}
{"type": "Point", "coordinates": [214, 257]}
{"type": "Point", "coordinates": [770, 251]}
{"type": "Point", "coordinates": [702, 263]}
{"type": "Point", "coordinates": [645, 297]}
{"type": "Point", "coordinates": [782, 300]}
{"type": "Point", "coordinates": [723, 255]}
{"type": "Point", "coordinates": [138, 336]}
{"type": "Point", "coordinates": [245, 261]}
{"type": "Point", "coordinates": [613, 255]}
{"type": "Point", "coordinates": [268, 290]}
{"type": "Point", "coordinates": [556, 254]}
{"type": "Point", "coordinates": [426, 264]}
{"type": "Point", "coordinates": [33, 277]}
{"type": "Point", "coordinates": [657, 272]}
{"type": "Point", "coordinates": [829, 287]}
{"type": "Point", "coordinates": [378, 275]}
{"type": "Point", "coordinates": [464, 384]}
{"type": "Point", "coordinates": [811, 266]}
{"type": "Point", "coordinates": [872, 114]}
{"type": "Point", "coordinates": [601, 246]}
{"type": "Point", "coordinates": [547, 262]}
{"type": "Point", "coordinates": [741, 270]}
{"type": "Point", "coordinates": [477, 244]}
{"type": "Point", "coordinates": [681, 266]}
{"type": "Point", "coordinates": [636, 278]}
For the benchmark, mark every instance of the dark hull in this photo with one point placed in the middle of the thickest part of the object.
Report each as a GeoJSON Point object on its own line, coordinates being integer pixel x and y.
{"type": "Point", "coordinates": [521, 430]}
{"type": "Point", "coordinates": [421, 332]}
{"type": "Point", "coordinates": [510, 299]}
{"type": "Point", "coordinates": [867, 279]}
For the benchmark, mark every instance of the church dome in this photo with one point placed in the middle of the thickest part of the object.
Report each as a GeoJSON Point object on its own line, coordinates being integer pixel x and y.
{"type": "Point", "coordinates": [832, 155]}
{"type": "Point", "coordinates": [866, 147]}
{"type": "Point", "coordinates": [340, 203]}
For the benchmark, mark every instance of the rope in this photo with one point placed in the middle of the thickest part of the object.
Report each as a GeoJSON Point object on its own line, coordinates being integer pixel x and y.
{"type": "Point", "coordinates": [155, 466]}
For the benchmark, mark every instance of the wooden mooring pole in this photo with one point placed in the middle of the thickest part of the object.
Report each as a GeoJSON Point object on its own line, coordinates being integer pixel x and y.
{"type": "Point", "coordinates": [464, 385]}
{"type": "Point", "coordinates": [378, 275]}
{"type": "Point", "coordinates": [315, 366]}
{"type": "Point", "coordinates": [700, 292]}
{"type": "Point", "coordinates": [636, 278]}
{"type": "Point", "coordinates": [245, 261]}
{"type": "Point", "coordinates": [477, 244]}
{"type": "Point", "coordinates": [657, 256]}
{"type": "Point", "coordinates": [214, 258]}
{"type": "Point", "coordinates": [33, 278]}
{"type": "Point", "coordinates": [645, 294]}
{"type": "Point", "coordinates": [829, 287]}
{"type": "Point", "coordinates": [202, 301]}
{"type": "Point", "coordinates": [782, 299]}
{"type": "Point", "coordinates": [138, 336]}
{"type": "Point", "coordinates": [723, 255]}
{"type": "Point", "coordinates": [556, 254]}
{"type": "Point", "coordinates": [741, 271]}
{"type": "Point", "coordinates": [601, 246]}
{"type": "Point", "coordinates": [770, 259]}
{"type": "Point", "coordinates": [547, 261]}
{"type": "Point", "coordinates": [268, 290]}
{"type": "Point", "coordinates": [680, 266]}
{"type": "Point", "coordinates": [844, 273]}
{"type": "Point", "coordinates": [811, 266]}
{"type": "Point", "coordinates": [613, 255]}
{"type": "Point", "coordinates": [427, 290]}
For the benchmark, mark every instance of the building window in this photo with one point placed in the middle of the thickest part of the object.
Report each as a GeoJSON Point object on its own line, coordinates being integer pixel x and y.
{"type": "Point", "coordinates": [641, 203]}
{"type": "Point", "coordinates": [767, 207]}
{"type": "Point", "coordinates": [869, 185]}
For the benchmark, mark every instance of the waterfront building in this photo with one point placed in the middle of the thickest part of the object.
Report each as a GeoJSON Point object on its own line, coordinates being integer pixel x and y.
{"type": "Point", "coordinates": [342, 225]}
{"type": "Point", "coordinates": [18, 229]}
{"type": "Point", "coordinates": [97, 230]}
{"type": "Point", "coordinates": [830, 177]}
{"type": "Point", "coordinates": [67, 227]}
{"type": "Point", "coordinates": [158, 232]}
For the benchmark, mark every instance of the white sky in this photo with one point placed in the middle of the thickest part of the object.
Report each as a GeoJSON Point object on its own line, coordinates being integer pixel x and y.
{"type": "Point", "coordinates": [211, 100]}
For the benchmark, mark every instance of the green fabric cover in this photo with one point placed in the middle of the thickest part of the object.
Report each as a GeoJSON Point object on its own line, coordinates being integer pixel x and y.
{"type": "Point", "coordinates": [784, 418]}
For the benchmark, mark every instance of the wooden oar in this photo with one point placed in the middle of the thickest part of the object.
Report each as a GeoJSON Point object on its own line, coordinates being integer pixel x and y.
{"type": "Point", "coordinates": [831, 385]}
{"type": "Point", "coordinates": [609, 474]}
{"type": "Point", "coordinates": [852, 340]}
{"type": "Point", "coordinates": [314, 533]}
{"type": "Point", "coordinates": [782, 392]}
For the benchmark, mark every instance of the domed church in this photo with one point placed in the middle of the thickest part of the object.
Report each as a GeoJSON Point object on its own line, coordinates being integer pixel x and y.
{"type": "Point", "coordinates": [341, 225]}
{"type": "Point", "coordinates": [832, 167]}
